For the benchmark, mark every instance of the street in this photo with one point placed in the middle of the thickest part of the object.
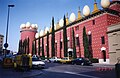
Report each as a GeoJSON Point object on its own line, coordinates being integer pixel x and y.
{"type": "Point", "coordinates": [56, 70]}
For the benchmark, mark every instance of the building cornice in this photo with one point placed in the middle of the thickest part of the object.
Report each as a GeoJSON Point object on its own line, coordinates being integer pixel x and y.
{"type": "Point", "coordinates": [108, 10]}
{"type": "Point", "coordinates": [31, 30]}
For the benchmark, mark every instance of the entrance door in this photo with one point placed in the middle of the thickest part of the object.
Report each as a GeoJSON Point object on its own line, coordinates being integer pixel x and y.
{"type": "Point", "coordinates": [104, 55]}
{"type": "Point", "coordinates": [70, 53]}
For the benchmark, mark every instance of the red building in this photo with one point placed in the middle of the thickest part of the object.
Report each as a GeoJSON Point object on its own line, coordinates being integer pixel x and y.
{"type": "Point", "coordinates": [96, 25]}
{"type": "Point", "coordinates": [28, 31]}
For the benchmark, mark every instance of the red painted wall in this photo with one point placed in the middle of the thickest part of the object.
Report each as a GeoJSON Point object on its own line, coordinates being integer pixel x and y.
{"type": "Point", "coordinates": [28, 33]}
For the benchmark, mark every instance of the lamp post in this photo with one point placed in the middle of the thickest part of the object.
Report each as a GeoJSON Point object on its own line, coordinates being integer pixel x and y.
{"type": "Point", "coordinates": [6, 44]}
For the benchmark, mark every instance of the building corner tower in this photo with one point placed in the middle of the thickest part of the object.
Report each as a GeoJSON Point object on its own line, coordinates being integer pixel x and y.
{"type": "Point", "coordinates": [28, 32]}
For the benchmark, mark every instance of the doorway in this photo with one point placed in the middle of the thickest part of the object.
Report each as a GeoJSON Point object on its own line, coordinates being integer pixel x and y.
{"type": "Point", "coordinates": [104, 55]}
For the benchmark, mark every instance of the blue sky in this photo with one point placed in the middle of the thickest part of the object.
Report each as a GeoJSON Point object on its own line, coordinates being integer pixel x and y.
{"type": "Point", "coordinates": [37, 12]}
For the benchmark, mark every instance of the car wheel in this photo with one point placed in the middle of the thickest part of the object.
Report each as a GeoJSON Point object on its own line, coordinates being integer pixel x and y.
{"type": "Point", "coordinates": [73, 63]}
{"type": "Point", "coordinates": [82, 64]}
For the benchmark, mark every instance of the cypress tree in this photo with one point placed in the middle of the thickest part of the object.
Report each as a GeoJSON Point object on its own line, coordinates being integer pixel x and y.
{"type": "Point", "coordinates": [39, 46]}
{"type": "Point", "coordinates": [65, 38]}
{"type": "Point", "coordinates": [74, 47]}
{"type": "Point", "coordinates": [43, 56]}
{"type": "Point", "coordinates": [33, 48]}
{"type": "Point", "coordinates": [53, 38]}
{"type": "Point", "coordinates": [85, 43]}
{"type": "Point", "coordinates": [20, 47]}
{"type": "Point", "coordinates": [28, 40]}
{"type": "Point", "coordinates": [25, 44]}
{"type": "Point", "coordinates": [24, 47]}
{"type": "Point", "coordinates": [47, 44]}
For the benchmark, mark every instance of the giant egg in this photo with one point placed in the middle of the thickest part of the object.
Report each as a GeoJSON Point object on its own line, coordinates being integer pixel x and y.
{"type": "Point", "coordinates": [86, 10]}
{"type": "Point", "coordinates": [105, 3]}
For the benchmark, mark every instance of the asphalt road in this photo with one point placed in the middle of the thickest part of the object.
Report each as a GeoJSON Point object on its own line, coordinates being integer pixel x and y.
{"type": "Point", "coordinates": [55, 70]}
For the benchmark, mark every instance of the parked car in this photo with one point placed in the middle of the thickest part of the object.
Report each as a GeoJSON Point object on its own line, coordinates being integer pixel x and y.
{"type": "Point", "coordinates": [81, 61]}
{"type": "Point", "coordinates": [54, 59]}
{"type": "Point", "coordinates": [37, 63]}
{"type": "Point", "coordinates": [65, 60]}
{"type": "Point", "coordinates": [1, 59]}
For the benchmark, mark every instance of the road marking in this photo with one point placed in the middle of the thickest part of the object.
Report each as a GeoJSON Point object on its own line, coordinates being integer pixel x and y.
{"type": "Point", "coordinates": [80, 74]}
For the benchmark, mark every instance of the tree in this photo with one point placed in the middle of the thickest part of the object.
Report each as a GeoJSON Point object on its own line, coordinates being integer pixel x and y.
{"type": "Point", "coordinates": [20, 47]}
{"type": "Point", "coordinates": [74, 47]}
{"type": "Point", "coordinates": [33, 48]}
{"type": "Point", "coordinates": [85, 43]}
{"type": "Point", "coordinates": [43, 56]}
{"type": "Point", "coordinates": [47, 44]}
{"type": "Point", "coordinates": [53, 38]}
{"type": "Point", "coordinates": [65, 38]}
{"type": "Point", "coordinates": [25, 46]}
{"type": "Point", "coordinates": [39, 46]}
{"type": "Point", "coordinates": [28, 40]}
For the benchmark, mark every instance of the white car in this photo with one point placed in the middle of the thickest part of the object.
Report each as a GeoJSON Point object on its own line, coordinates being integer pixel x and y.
{"type": "Point", "coordinates": [54, 59]}
{"type": "Point", "coordinates": [37, 63]}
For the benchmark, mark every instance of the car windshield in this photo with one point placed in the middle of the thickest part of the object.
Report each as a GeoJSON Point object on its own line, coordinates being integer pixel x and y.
{"type": "Point", "coordinates": [35, 59]}
{"type": "Point", "coordinates": [65, 58]}
{"type": "Point", "coordinates": [79, 58]}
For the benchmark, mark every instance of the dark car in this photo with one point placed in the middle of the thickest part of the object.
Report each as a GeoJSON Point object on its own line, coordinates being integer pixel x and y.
{"type": "Point", "coordinates": [81, 61]}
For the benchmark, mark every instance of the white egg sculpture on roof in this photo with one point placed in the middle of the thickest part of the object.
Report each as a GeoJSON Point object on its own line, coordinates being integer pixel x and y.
{"type": "Point", "coordinates": [33, 26]}
{"type": "Point", "coordinates": [22, 26]}
{"type": "Point", "coordinates": [72, 17]}
{"type": "Point", "coordinates": [36, 26]}
{"type": "Point", "coordinates": [61, 22]}
{"type": "Point", "coordinates": [105, 3]}
{"type": "Point", "coordinates": [41, 33]}
{"type": "Point", "coordinates": [27, 24]}
{"type": "Point", "coordinates": [46, 29]}
{"type": "Point", "coordinates": [86, 10]}
{"type": "Point", "coordinates": [36, 35]}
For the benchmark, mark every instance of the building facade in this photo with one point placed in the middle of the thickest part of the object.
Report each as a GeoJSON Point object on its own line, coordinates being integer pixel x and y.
{"type": "Point", "coordinates": [113, 32]}
{"type": "Point", "coordinates": [96, 25]}
{"type": "Point", "coordinates": [1, 43]}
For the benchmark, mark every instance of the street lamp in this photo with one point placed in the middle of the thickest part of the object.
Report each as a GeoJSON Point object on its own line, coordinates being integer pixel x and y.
{"type": "Point", "coordinates": [6, 44]}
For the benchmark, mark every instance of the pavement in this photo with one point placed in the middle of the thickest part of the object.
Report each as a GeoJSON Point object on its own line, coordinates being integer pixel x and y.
{"type": "Point", "coordinates": [12, 73]}
{"type": "Point", "coordinates": [103, 65]}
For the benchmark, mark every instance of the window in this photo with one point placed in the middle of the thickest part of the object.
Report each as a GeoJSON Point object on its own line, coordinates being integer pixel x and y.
{"type": "Point", "coordinates": [55, 47]}
{"type": "Point", "coordinates": [60, 44]}
{"type": "Point", "coordinates": [40, 48]}
{"type": "Point", "coordinates": [77, 41]}
{"type": "Point", "coordinates": [46, 48]}
{"type": "Point", "coordinates": [93, 22]}
{"type": "Point", "coordinates": [103, 40]}
{"type": "Point", "coordinates": [89, 39]}
{"type": "Point", "coordinates": [77, 28]}
{"type": "Point", "coordinates": [68, 42]}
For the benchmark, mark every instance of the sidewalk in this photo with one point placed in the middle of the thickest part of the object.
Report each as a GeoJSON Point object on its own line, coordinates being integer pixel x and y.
{"type": "Point", "coordinates": [11, 73]}
{"type": "Point", "coordinates": [103, 65]}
